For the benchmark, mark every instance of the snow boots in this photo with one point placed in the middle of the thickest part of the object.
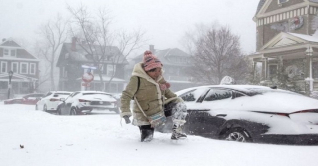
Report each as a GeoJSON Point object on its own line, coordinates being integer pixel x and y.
{"type": "Point", "coordinates": [177, 133]}
{"type": "Point", "coordinates": [179, 113]}
{"type": "Point", "coordinates": [146, 132]}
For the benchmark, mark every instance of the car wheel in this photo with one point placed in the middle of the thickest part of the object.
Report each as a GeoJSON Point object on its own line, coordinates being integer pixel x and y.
{"type": "Point", "coordinates": [45, 108]}
{"type": "Point", "coordinates": [73, 111]}
{"type": "Point", "coordinates": [237, 134]}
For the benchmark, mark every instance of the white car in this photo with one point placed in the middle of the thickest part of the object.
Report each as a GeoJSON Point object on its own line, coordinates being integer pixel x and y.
{"type": "Point", "coordinates": [248, 113]}
{"type": "Point", "coordinates": [86, 101]}
{"type": "Point", "coordinates": [51, 100]}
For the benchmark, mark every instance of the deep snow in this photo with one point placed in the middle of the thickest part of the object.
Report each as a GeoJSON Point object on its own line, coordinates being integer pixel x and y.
{"type": "Point", "coordinates": [99, 139]}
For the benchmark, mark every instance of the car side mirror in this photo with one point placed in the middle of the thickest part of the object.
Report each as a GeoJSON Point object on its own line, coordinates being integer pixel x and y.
{"type": "Point", "coordinates": [62, 99]}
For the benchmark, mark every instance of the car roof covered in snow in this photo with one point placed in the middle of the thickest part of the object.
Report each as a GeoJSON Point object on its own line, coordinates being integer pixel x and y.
{"type": "Point", "coordinates": [235, 87]}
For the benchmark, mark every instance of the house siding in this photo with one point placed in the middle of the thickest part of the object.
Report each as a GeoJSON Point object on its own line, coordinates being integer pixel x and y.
{"type": "Point", "coordinates": [268, 27]}
{"type": "Point", "coordinates": [74, 70]}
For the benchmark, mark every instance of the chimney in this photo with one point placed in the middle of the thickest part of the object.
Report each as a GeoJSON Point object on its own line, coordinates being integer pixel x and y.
{"type": "Point", "coordinates": [74, 40]}
{"type": "Point", "coordinates": [152, 48]}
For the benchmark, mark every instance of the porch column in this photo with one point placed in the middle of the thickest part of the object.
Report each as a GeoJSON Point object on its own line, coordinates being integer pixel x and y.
{"type": "Point", "coordinates": [254, 70]}
{"type": "Point", "coordinates": [280, 68]}
{"type": "Point", "coordinates": [309, 53]}
{"type": "Point", "coordinates": [266, 68]}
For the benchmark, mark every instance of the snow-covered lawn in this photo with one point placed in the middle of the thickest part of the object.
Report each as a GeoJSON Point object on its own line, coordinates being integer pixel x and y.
{"type": "Point", "coordinates": [99, 140]}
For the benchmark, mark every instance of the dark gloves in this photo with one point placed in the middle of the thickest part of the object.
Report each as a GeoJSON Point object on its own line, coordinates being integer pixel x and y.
{"type": "Point", "coordinates": [126, 117]}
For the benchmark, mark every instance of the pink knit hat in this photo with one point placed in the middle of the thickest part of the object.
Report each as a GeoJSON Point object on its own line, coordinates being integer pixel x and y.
{"type": "Point", "coordinates": [151, 61]}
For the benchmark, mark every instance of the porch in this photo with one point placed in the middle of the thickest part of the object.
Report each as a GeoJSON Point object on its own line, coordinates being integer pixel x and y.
{"type": "Point", "coordinates": [289, 61]}
{"type": "Point", "coordinates": [20, 84]}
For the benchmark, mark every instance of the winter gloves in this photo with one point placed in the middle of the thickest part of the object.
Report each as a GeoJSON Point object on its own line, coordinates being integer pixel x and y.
{"type": "Point", "coordinates": [127, 120]}
{"type": "Point", "coordinates": [164, 86]}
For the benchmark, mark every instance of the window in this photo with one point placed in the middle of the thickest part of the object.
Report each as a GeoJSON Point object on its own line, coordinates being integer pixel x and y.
{"type": "Point", "coordinates": [32, 68]}
{"type": "Point", "coordinates": [5, 52]}
{"type": "Point", "coordinates": [282, 1]}
{"type": "Point", "coordinates": [315, 70]}
{"type": "Point", "coordinates": [4, 67]}
{"type": "Point", "coordinates": [193, 95]}
{"type": "Point", "coordinates": [9, 52]}
{"type": "Point", "coordinates": [23, 68]}
{"type": "Point", "coordinates": [111, 69]}
{"type": "Point", "coordinates": [14, 67]}
{"type": "Point", "coordinates": [13, 53]}
{"type": "Point", "coordinates": [218, 94]}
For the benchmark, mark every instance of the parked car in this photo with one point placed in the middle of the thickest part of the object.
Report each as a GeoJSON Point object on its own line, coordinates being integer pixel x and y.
{"type": "Point", "coordinates": [51, 100]}
{"type": "Point", "coordinates": [86, 101]}
{"type": "Point", "coordinates": [247, 113]}
{"type": "Point", "coordinates": [31, 99]}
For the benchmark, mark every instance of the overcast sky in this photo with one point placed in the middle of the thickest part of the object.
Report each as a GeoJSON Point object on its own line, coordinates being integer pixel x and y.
{"type": "Point", "coordinates": [165, 21]}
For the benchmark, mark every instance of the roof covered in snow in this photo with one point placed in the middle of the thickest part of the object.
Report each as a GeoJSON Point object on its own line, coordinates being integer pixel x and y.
{"type": "Point", "coordinates": [305, 37]}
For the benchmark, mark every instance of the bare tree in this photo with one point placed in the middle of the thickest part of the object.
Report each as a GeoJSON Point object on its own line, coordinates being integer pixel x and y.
{"type": "Point", "coordinates": [100, 43]}
{"type": "Point", "coordinates": [44, 73]}
{"type": "Point", "coordinates": [53, 34]}
{"type": "Point", "coordinates": [215, 53]}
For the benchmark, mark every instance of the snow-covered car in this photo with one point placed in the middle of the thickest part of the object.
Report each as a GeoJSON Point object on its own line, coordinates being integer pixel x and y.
{"type": "Point", "coordinates": [51, 100]}
{"type": "Point", "coordinates": [86, 101]}
{"type": "Point", "coordinates": [31, 99]}
{"type": "Point", "coordinates": [249, 113]}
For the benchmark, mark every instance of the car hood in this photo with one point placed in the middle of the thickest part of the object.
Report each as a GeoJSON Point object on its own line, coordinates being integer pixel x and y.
{"type": "Point", "coordinates": [267, 102]}
{"type": "Point", "coordinates": [13, 99]}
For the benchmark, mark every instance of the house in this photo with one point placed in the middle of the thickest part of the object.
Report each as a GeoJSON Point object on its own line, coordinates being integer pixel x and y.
{"type": "Point", "coordinates": [24, 66]}
{"type": "Point", "coordinates": [287, 43]}
{"type": "Point", "coordinates": [75, 56]}
{"type": "Point", "coordinates": [175, 64]}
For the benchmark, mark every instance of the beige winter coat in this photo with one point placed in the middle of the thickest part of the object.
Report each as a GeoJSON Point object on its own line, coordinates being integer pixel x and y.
{"type": "Point", "coordinates": [148, 95]}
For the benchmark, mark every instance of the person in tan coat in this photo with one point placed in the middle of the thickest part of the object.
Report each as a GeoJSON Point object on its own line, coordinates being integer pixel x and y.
{"type": "Point", "coordinates": [150, 93]}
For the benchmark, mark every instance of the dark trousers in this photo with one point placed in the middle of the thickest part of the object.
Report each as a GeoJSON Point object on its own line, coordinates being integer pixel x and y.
{"type": "Point", "coordinates": [146, 132]}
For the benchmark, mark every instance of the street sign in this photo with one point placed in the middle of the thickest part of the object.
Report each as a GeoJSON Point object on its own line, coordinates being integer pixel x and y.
{"type": "Point", "coordinates": [89, 67]}
{"type": "Point", "coordinates": [88, 77]}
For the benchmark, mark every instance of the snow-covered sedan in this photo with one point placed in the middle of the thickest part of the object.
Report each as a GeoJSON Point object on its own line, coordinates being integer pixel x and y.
{"type": "Point", "coordinates": [248, 113]}
{"type": "Point", "coordinates": [86, 101]}
{"type": "Point", "coordinates": [51, 100]}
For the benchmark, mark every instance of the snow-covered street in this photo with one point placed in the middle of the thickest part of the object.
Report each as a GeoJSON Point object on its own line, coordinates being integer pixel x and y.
{"type": "Point", "coordinates": [99, 139]}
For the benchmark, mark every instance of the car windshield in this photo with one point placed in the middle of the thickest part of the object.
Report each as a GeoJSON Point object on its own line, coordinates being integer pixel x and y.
{"type": "Point", "coordinates": [62, 93]}
{"type": "Point", "coordinates": [263, 90]}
